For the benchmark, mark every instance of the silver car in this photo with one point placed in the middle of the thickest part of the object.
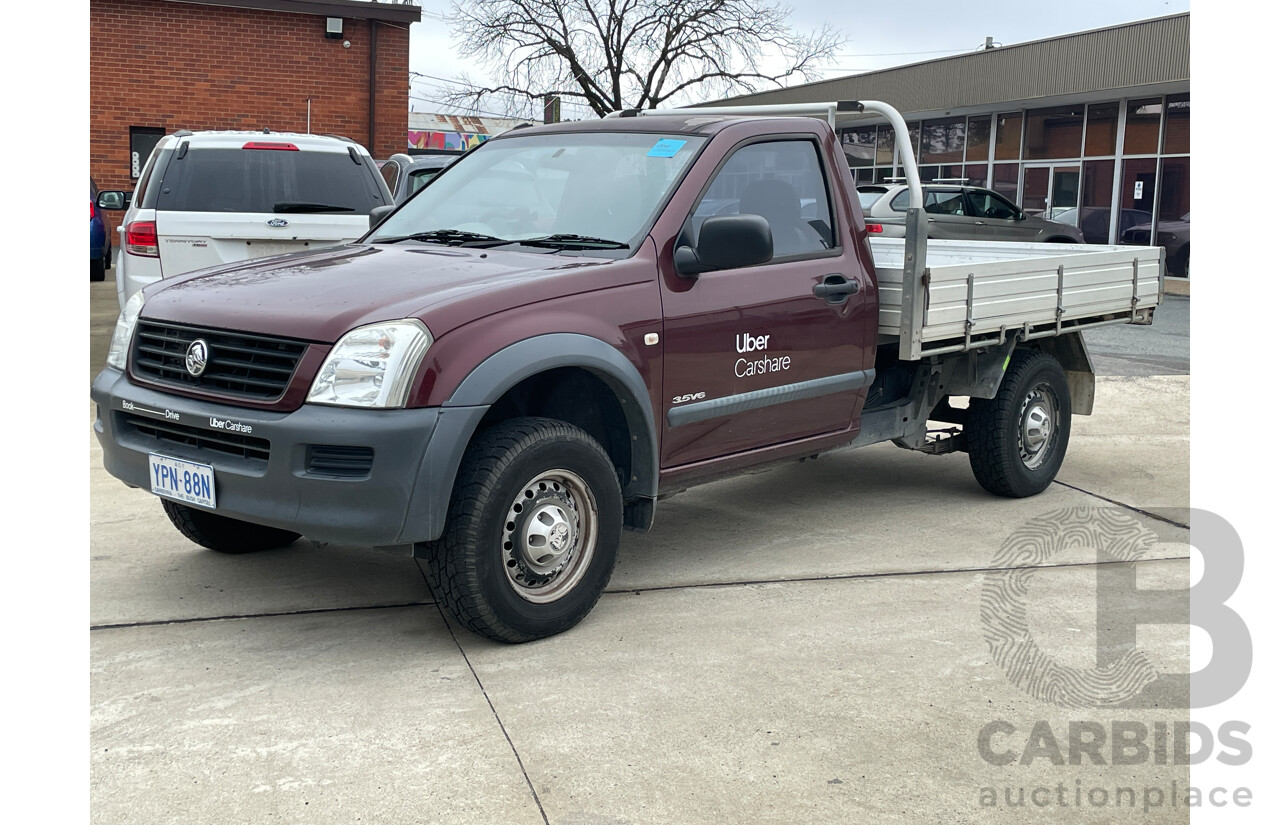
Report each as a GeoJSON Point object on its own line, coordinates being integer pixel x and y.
{"type": "Point", "coordinates": [959, 212]}
{"type": "Point", "coordinates": [406, 174]}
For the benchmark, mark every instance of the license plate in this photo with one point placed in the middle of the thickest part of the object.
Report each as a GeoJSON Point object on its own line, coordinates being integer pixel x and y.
{"type": "Point", "coordinates": [183, 481]}
{"type": "Point", "coordinates": [262, 250]}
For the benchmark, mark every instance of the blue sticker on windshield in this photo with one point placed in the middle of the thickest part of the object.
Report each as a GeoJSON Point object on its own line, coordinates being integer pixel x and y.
{"type": "Point", "coordinates": [666, 148]}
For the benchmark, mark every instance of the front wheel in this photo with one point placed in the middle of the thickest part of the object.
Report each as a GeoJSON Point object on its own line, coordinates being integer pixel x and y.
{"type": "Point", "coordinates": [1018, 439]}
{"type": "Point", "coordinates": [223, 534]}
{"type": "Point", "coordinates": [532, 533]}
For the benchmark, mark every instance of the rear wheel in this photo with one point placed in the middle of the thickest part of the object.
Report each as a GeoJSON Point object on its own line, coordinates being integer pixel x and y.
{"type": "Point", "coordinates": [532, 533]}
{"type": "Point", "coordinates": [223, 534]}
{"type": "Point", "coordinates": [1018, 439]}
{"type": "Point", "coordinates": [97, 271]}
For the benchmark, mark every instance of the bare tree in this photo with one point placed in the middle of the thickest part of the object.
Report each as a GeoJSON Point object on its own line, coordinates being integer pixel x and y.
{"type": "Point", "coordinates": [616, 54]}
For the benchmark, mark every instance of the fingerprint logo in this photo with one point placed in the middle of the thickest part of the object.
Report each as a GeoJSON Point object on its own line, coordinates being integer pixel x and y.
{"type": "Point", "coordinates": [1005, 622]}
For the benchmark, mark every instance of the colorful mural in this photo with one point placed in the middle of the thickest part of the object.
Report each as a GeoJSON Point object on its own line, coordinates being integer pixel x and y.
{"type": "Point", "coordinates": [452, 141]}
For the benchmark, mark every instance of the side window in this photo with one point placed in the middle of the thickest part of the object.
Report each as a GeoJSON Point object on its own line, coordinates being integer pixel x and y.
{"type": "Point", "coordinates": [140, 191]}
{"type": "Point", "coordinates": [944, 203]}
{"type": "Point", "coordinates": [419, 179]}
{"type": "Point", "coordinates": [782, 182]}
{"type": "Point", "coordinates": [990, 205]}
{"type": "Point", "coordinates": [935, 202]}
{"type": "Point", "coordinates": [389, 172]}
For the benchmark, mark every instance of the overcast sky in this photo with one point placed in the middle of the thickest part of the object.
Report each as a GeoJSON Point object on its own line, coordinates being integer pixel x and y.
{"type": "Point", "coordinates": [878, 35]}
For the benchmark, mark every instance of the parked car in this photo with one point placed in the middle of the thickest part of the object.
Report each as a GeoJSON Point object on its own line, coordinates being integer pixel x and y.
{"type": "Point", "coordinates": [1174, 236]}
{"type": "Point", "coordinates": [99, 240]}
{"type": "Point", "coordinates": [1095, 221]}
{"type": "Point", "coordinates": [406, 174]}
{"type": "Point", "coordinates": [209, 198]}
{"type": "Point", "coordinates": [959, 212]}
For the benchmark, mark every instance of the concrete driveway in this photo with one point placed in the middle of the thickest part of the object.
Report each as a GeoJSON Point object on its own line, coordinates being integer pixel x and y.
{"type": "Point", "coordinates": [802, 644]}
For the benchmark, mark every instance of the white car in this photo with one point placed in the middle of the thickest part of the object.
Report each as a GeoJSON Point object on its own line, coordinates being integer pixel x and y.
{"type": "Point", "coordinates": [208, 198]}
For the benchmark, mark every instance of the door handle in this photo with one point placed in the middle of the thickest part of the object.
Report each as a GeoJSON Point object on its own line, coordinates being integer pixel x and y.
{"type": "Point", "coordinates": [835, 288]}
{"type": "Point", "coordinates": [979, 223]}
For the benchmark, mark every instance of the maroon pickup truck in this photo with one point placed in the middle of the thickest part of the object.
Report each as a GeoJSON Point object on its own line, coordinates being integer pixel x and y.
{"type": "Point", "coordinates": [569, 324]}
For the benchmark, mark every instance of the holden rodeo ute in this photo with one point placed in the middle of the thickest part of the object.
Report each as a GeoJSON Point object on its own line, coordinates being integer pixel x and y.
{"type": "Point", "coordinates": [573, 321]}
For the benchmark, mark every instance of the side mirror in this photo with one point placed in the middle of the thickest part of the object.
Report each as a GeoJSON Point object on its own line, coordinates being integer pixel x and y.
{"type": "Point", "coordinates": [726, 242]}
{"type": "Point", "coordinates": [378, 214]}
{"type": "Point", "coordinates": [112, 200]}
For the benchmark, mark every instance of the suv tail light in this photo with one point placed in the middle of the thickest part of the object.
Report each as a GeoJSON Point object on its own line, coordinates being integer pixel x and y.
{"type": "Point", "coordinates": [258, 144]}
{"type": "Point", "coordinates": [90, 210]}
{"type": "Point", "coordinates": [875, 229]}
{"type": "Point", "coordinates": [140, 239]}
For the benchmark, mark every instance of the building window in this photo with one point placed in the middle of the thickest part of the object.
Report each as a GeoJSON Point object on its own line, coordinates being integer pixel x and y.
{"type": "Point", "coordinates": [859, 146]}
{"type": "Point", "coordinates": [978, 140]}
{"type": "Point", "coordinates": [1174, 227]}
{"type": "Point", "coordinates": [1177, 125]}
{"type": "Point", "coordinates": [1008, 135]}
{"type": "Point", "coordinates": [976, 173]}
{"type": "Point", "coordinates": [1004, 179]}
{"type": "Point", "coordinates": [1175, 189]}
{"type": "Point", "coordinates": [884, 146]}
{"type": "Point", "coordinates": [1094, 217]}
{"type": "Point", "coordinates": [942, 141]}
{"type": "Point", "coordinates": [1101, 128]}
{"type": "Point", "coordinates": [1138, 186]}
{"type": "Point", "coordinates": [1053, 133]}
{"type": "Point", "coordinates": [1142, 127]}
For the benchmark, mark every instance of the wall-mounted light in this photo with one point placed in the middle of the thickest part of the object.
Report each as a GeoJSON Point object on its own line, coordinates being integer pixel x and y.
{"type": "Point", "coordinates": [333, 28]}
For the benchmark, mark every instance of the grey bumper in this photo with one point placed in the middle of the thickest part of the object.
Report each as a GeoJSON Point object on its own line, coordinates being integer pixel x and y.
{"type": "Point", "coordinates": [398, 492]}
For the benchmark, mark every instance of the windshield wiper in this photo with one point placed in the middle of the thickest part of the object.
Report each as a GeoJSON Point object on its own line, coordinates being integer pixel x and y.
{"type": "Point", "coordinates": [300, 206]}
{"type": "Point", "coordinates": [451, 237]}
{"type": "Point", "coordinates": [569, 241]}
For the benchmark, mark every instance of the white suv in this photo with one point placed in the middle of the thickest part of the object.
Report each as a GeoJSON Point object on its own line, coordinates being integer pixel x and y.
{"type": "Point", "coordinates": [208, 198]}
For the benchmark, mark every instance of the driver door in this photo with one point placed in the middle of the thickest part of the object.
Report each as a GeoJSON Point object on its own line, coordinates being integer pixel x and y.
{"type": "Point", "coordinates": [752, 356]}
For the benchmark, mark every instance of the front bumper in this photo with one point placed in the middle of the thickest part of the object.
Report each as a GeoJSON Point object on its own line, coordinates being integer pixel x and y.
{"type": "Point", "coordinates": [277, 481]}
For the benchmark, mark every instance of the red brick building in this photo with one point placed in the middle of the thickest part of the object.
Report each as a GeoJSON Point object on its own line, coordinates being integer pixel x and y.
{"type": "Point", "coordinates": [163, 65]}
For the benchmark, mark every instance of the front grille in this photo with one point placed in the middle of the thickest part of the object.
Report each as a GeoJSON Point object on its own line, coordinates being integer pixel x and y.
{"type": "Point", "coordinates": [1139, 236]}
{"type": "Point", "coordinates": [171, 432]}
{"type": "Point", "coordinates": [249, 366]}
{"type": "Point", "coordinates": [342, 462]}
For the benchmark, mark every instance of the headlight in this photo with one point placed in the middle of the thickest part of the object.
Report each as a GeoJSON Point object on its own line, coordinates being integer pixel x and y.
{"type": "Point", "coordinates": [123, 335]}
{"type": "Point", "coordinates": [372, 366]}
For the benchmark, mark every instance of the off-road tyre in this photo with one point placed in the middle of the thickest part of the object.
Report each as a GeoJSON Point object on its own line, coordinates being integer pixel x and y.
{"type": "Point", "coordinates": [520, 482]}
{"type": "Point", "coordinates": [1001, 432]}
{"type": "Point", "coordinates": [223, 534]}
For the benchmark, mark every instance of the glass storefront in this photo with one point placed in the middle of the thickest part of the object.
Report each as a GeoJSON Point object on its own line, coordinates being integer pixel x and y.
{"type": "Point", "coordinates": [1118, 169]}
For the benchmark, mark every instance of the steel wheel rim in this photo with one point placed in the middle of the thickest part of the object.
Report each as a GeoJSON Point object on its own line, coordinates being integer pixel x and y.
{"type": "Point", "coordinates": [1037, 426]}
{"type": "Point", "coordinates": [549, 536]}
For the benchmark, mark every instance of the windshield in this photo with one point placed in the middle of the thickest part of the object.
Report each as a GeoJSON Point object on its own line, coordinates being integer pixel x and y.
{"type": "Point", "coordinates": [594, 193]}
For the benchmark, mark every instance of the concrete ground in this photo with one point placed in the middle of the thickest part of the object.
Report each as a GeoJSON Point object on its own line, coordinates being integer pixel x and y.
{"type": "Point", "coordinates": [802, 644]}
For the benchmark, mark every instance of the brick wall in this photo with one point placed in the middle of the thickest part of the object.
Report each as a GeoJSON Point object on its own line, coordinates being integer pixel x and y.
{"type": "Point", "coordinates": [182, 66]}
